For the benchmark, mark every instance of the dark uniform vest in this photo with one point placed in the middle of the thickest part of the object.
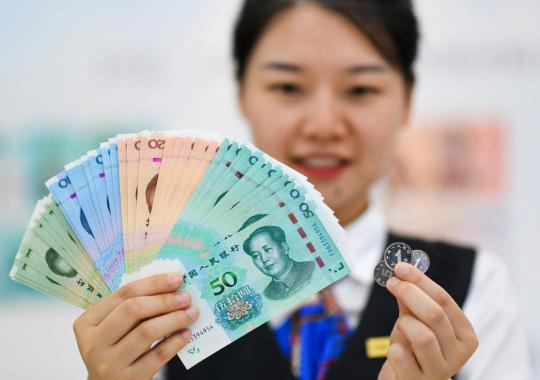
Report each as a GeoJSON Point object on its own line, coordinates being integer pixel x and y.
{"type": "Point", "coordinates": [257, 355]}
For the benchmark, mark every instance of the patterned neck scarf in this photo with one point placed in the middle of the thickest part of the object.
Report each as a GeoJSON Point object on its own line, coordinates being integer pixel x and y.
{"type": "Point", "coordinates": [314, 336]}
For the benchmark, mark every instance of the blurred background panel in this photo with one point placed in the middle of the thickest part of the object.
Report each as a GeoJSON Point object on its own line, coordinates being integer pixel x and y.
{"type": "Point", "coordinates": [73, 73]}
{"type": "Point", "coordinates": [449, 181]}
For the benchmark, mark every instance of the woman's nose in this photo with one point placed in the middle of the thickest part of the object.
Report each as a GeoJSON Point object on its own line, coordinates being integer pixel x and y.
{"type": "Point", "coordinates": [324, 118]}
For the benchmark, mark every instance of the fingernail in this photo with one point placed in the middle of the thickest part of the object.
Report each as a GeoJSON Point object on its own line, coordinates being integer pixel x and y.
{"type": "Point", "coordinates": [395, 350]}
{"type": "Point", "coordinates": [192, 312]}
{"type": "Point", "coordinates": [186, 334]}
{"type": "Point", "coordinates": [182, 298]}
{"type": "Point", "coordinates": [392, 281]}
{"type": "Point", "coordinates": [175, 279]}
{"type": "Point", "coordinates": [401, 269]}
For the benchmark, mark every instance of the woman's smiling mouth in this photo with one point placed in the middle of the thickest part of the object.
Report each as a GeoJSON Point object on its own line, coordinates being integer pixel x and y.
{"type": "Point", "coordinates": [321, 167]}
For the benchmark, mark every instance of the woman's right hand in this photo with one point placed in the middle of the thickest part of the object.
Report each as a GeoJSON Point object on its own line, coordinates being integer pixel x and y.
{"type": "Point", "coordinates": [115, 336]}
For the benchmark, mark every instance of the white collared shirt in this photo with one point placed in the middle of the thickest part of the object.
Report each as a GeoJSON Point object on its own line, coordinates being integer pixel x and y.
{"type": "Point", "coordinates": [503, 352]}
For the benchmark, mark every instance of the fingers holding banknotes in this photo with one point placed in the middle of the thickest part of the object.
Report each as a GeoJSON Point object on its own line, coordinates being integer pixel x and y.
{"type": "Point", "coordinates": [432, 338]}
{"type": "Point", "coordinates": [116, 336]}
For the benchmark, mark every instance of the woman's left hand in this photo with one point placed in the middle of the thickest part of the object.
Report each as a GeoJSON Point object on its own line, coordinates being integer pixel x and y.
{"type": "Point", "coordinates": [432, 338]}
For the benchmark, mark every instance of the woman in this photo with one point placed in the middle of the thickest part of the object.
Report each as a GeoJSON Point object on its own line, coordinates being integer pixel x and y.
{"type": "Point", "coordinates": [326, 86]}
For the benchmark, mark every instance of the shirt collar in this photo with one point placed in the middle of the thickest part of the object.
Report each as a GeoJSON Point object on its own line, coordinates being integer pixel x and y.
{"type": "Point", "coordinates": [366, 237]}
{"type": "Point", "coordinates": [288, 281]}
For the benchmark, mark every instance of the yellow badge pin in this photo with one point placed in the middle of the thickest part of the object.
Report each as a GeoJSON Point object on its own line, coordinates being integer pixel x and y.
{"type": "Point", "coordinates": [377, 347]}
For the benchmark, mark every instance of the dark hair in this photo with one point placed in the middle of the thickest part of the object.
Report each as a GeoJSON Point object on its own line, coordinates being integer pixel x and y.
{"type": "Point", "coordinates": [276, 234]}
{"type": "Point", "coordinates": [390, 25]}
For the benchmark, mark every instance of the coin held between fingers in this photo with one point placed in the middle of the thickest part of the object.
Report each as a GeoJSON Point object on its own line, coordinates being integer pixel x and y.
{"type": "Point", "coordinates": [382, 273]}
{"type": "Point", "coordinates": [420, 260]}
{"type": "Point", "coordinates": [396, 253]}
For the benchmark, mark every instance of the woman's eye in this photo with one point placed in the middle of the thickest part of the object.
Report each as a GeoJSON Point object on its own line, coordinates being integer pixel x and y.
{"type": "Point", "coordinates": [286, 88]}
{"type": "Point", "coordinates": [362, 91]}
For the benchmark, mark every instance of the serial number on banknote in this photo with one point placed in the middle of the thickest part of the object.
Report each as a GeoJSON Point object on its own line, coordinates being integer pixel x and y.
{"type": "Point", "coordinates": [196, 335]}
{"type": "Point", "coordinates": [326, 244]}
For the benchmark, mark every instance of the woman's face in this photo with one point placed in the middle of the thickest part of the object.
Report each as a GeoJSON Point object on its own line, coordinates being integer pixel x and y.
{"type": "Point", "coordinates": [320, 98]}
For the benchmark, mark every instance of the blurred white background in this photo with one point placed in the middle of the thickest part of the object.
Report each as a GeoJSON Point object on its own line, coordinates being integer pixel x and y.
{"type": "Point", "coordinates": [74, 72]}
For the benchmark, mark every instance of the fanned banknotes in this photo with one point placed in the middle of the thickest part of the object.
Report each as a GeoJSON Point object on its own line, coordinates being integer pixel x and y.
{"type": "Point", "coordinates": [251, 236]}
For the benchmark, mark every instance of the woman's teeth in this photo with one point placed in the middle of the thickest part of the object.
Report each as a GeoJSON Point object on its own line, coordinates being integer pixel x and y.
{"type": "Point", "coordinates": [321, 162]}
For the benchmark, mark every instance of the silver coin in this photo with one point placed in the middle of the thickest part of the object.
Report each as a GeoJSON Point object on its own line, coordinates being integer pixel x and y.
{"type": "Point", "coordinates": [420, 260]}
{"type": "Point", "coordinates": [382, 273]}
{"type": "Point", "coordinates": [395, 253]}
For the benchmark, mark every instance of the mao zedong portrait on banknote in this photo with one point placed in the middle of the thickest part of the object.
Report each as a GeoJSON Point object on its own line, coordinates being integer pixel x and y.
{"type": "Point", "coordinates": [268, 248]}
